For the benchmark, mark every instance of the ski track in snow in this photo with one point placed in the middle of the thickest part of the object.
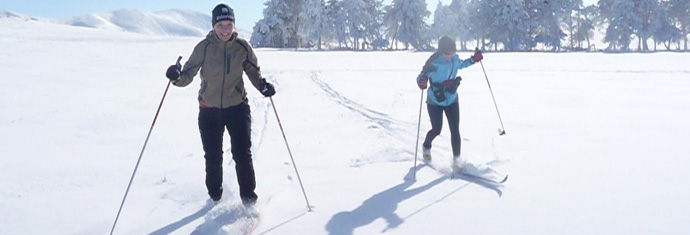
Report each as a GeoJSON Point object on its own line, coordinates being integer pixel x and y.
{"type": "Point", "coordinates": [398, 129]}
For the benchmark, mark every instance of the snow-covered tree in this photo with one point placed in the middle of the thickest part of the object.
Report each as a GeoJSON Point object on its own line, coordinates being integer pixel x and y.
{"type": "Point", "coordinates": [391, 21]}
{"type": "Point", "coordinates": [511, 26]}
{"type": "Point", "coordinates": [585, 29]}
{"type": "Point", "coordinates": [405, 22]}
{"type": "Point", "coordinates": [461, 30]}
{"type": "Point", "coordinates": [679, 12]}
{"type": "Point", "coordinates": [480, 17]}
{"type": "Point", "coordinates": [452, 21]}
{"type": "Point", "coordinates": [572, 20]}
{"type": "Point", "coordinates": [260, 34]}
{"type": "Point", "coordinates": [338, 22]}
{"type": "Point", "coordinates": [444, 23]}
{"type": "Point", "coordinates": [315, 22]}
{"type": "Point", "coordinates": [374, 27]}
{"type": "Point", "coordinates": [362, 19]}
{"type": "Point", "coordinates": [667, 33]}
{"type": "Point", "coordinates": [546, 18]}
{"type": "Point", "coordinates": [356, 20]}
{"type": "Point", "coordinates": [514, 25]}
{"type": "Point", "coordinates": [649, 20]}
{"type": "Point", "coordinates": [621, 19]}
{"type": "Point", "coordinates": [279, 26]}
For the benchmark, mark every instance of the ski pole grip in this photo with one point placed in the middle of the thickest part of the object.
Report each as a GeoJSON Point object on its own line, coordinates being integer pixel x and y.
{"type": "Point", "coordinates": [178, 60]}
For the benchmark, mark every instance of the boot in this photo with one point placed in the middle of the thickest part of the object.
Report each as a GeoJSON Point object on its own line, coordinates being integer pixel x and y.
{"type": "Point", "coordinates": [457, 163]}
{"type": "Point", "coordinates": [426, 154]}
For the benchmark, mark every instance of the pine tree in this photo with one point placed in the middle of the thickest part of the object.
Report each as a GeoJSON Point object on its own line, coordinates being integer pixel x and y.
{"type": "Point", "coordinates": [338, 22]}
{"type": "Point", "coordinates": [668, 32]}
{"type": "Point", "coordinates": [572, 21]}
{"type": "Point", "coordinates": [679, 11]}
{"type": "Point", "coordinates": [585, 28]}
{"type": "Point", "coordinates": [546, 19]}
{"type": "Point", "coordinates": [620, 17]}
{"type": "Point", "coordinates": [363, 20]}
{"type": "Point", "coordinates": [373, 27]}
{"type": "Point", "coordinates": [314, 22]}
{"type": "Point", "coordinates": [512, 25]}
{"type": "Point", "coordinates": [405, 22]}
{"type": "Point", "coordinates": [648, 21]}
{"type": "Point", "coordinates": [461, 26]}
{"type": "Point", "coordinates": [279, 26]}
{"type": "Point", "coordinates": [482, 17]}
{"type": "Point", "coordinates": [444, 23]}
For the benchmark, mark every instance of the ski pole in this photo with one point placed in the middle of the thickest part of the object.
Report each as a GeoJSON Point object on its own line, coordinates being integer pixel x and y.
{"type": "Point", "coordinates": [416, 146]}
{"type": "Point", "coordinates": [501, 131]}
{"type": "Point", "coordinates": [142, 152]}
{"type": "Point", "coordinates": [290, 152]}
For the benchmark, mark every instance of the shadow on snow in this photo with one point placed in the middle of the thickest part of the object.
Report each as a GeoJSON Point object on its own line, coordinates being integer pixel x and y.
{"type": "Point", "coordinates": [381, 205]}
{"type": "Point", "coordinates": [384, 204]}
{"type": "Point", "coordinates": [168, 229]}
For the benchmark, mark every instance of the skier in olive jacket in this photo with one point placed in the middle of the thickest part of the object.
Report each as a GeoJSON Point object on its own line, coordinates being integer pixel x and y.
{"type": "Point", "coordinates": [222, 58]}
{"type": "Point", "coordinates": [440, 70]}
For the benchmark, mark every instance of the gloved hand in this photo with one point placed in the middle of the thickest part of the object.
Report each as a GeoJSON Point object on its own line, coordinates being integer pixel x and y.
{"type": "Point", "coordinates": [174, 71]}
{"type": "Point", "coordinates": [477, 55]}
{"type": "Point", "coordinates": [422, 82]}
{"type": "Point", "coordinates": [266, 88]}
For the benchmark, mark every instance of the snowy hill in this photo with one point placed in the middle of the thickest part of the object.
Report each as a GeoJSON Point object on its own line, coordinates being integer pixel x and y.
{"type": "Point", "coordinates": [596, 143]}
{"type": "Point", "coordinates": [171, 22]}
{"type": "Point", "coordinates": [174, 22]}
{"type": "Point", "coordinates": [7, 14]}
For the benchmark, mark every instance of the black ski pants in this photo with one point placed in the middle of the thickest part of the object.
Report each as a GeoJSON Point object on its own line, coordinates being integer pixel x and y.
{"type": "Point", "coordinates": [436, 116]}
{"type": "Point", "coordinates": [212, 125]}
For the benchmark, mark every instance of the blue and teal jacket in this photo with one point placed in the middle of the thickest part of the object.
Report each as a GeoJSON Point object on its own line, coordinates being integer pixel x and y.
{"type": "Point", "coordinates": [440, 70]}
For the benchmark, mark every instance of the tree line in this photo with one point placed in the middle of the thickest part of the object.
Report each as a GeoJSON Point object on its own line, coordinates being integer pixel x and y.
{"type": "Point", "coordinates": [498, 25]}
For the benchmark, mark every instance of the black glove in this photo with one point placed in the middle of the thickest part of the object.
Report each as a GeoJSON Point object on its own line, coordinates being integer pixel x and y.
{"type": "Point", "coordinates": [266, 88]}
{"type": "Point", "coordinates": [174, 71]}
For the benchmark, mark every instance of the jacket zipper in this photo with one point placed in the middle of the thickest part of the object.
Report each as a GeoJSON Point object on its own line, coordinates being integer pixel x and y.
{"type": "Point", "coordinates": [227, 68]}
{"type": "Point", "coordinates": [452, 66]}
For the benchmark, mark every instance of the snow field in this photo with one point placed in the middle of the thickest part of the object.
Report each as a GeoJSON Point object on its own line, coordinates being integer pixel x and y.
{"type": "Point", "coordinates": [595, 142]}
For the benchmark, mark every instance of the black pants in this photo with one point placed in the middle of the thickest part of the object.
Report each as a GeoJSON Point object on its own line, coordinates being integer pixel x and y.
{"type": "Point", "coordinates": [212, 125]}
{"type": "Point", "coordinates": [436, 115]}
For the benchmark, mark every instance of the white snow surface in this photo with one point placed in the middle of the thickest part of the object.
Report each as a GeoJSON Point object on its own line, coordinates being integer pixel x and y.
{"type": "Point", "coordinates": [595, 144]}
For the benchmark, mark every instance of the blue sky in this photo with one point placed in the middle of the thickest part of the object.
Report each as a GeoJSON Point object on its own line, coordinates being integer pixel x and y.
{"type": "Point", "coordinates": [247, 12]}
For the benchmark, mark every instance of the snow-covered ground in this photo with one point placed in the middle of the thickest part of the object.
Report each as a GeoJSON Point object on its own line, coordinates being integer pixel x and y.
{"type": "Point", "coordinates": [596, 143]}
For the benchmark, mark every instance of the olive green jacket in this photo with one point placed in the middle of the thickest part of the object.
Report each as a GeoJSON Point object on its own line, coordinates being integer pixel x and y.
{"type": "Point", "coordinates": [221, 64]}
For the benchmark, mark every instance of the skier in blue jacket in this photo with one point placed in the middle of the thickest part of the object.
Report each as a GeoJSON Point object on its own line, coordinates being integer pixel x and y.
{"type": "Point", "coordinates": [440, 71]}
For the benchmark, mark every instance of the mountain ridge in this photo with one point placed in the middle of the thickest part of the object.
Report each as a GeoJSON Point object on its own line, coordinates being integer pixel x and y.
{"type": "Point", "coordinates": [172, 22]}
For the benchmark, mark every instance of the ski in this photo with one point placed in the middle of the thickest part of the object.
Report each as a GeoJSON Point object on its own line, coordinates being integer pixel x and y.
{"type": "Point", "coordinates": [488, 174]}
{"type": "Point", "coordinates": [253, 224]}
{"type": "Point", "coordinates": [253, 218]}
{"type": "Point", "coordinates": [482, 178]}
